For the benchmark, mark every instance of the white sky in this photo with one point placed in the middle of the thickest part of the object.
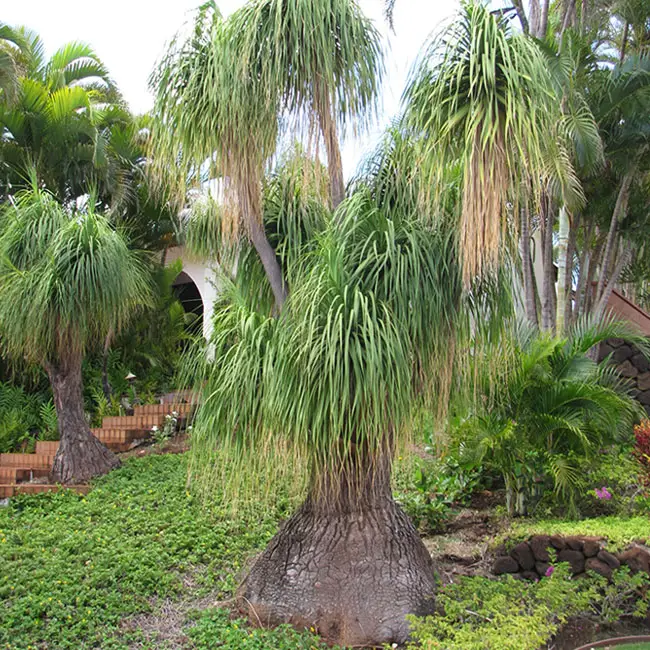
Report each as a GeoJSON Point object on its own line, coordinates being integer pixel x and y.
{"type": "Point", "coordinates": [130, 35]}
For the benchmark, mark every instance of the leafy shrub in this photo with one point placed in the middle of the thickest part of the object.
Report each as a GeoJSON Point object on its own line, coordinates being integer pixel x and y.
{"type": "Point", "coordinates": [429, 489]}
{"type": "Point", "coordinates": [545, 407]}
{"type": "Point", "coordinates": [22, 416]}
{"type": "Point", "coordinates": [480, 613]}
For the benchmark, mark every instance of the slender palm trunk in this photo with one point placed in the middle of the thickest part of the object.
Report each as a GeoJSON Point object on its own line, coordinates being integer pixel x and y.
{"type": "Point", "coordinates": [106, 384]}
{"type": "Point", "coordinates": [564, 273]}
{"type": "Point", "coordinates": [568, 282]}
{"type": "Point", "coordinates": [548, 283]}
{"type": "Point", "coordinates": [348, 563]}
{"type": "Point", "coordinates": [80, 456]}
{"type": "Point", "coordinates": [530, 299]}
{"type": "Point", "coordinates": [619, 210]}
{"type": "Point", "coordinates": [543, 19]}
{"type": "Point", "coordinates": [327, 124]}
{"type": "Point", "coordinates": [623, 259]}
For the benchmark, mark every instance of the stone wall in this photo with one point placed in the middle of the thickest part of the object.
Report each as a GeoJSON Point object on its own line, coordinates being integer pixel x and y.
{"type": "Point", "coordinates": [533, 559]}
{"type": "Point", "coordinates": [631, 364]}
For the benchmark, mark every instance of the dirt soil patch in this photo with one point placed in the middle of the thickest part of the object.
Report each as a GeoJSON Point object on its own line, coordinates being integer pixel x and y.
{"type": "Point", "coordinates": [463, 549]}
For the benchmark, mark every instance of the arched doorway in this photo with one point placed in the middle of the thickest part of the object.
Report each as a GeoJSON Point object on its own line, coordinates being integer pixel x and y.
{"type": "Point", "coordinates": [196, 286]}
{"type": "Point", "coordinates": [189, 296]}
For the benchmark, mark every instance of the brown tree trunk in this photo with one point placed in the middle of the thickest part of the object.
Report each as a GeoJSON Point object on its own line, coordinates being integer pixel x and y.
{"type": "Point", "coordinates": [619, 211]}
{"type": "Point", "coordinates": [543, 19]}
{"type": "Point", "coordinates": [327, 124]}
{"type": "Point", "coordinates": [530, 299]}
{"type": "Point", "coordinates": [348, 563]}
{"type": "Point", "coordinates": [548, 281]}
{"type": "Point", "coordinates": [80, 456]}
{"type": "Point", "coordinates": [249, 197]}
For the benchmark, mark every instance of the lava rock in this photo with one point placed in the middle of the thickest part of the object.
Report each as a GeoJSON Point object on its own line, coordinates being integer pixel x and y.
{"type": "Point", "coordinates": [622, 354]}
{"type": "Point", "coordinates": [594, 564]}
{"type": "Point", "coordinates": [575, 543]}
{"type": "Point", "coordinates": [643, 381]}
{"type": "Point", "coordinates": [626, 369]}
{"type": "Point", "coordinates": [505, 564]}
{"type": "Point", "coordinates": [609, 559]}
{"type": "Point", "coordinates": [638, 559]}
{"type": "Point", "coordinates": [591, 548]}
{"type": "Point", "coordinates": [615, 343]}
{"type": "Point", "coordinates": [524, 556]}
{"type": "Point", "coordinates": [542, 568]}
{"type": "Point", "coordinates": [640, 362]}
{"type": "Point", "coordinates": [539, 545]}
{"type": "Point", "coordinates": [530, 575]}
{"type": "Point", "coordinates": [575, 559]}
{"type": "Point", "coordinates": [558, 542]}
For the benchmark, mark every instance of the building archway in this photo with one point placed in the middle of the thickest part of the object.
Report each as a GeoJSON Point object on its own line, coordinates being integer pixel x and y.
{"type": "Point", "coordinates": [196, 282]}
{"type": "Point", "coordinates": [188, 294]}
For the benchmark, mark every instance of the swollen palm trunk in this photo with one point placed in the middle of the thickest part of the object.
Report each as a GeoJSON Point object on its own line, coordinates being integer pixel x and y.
{"type": "Point", "coordinates": [348, 563]}
{"type": "Point", "coordinates": [80, 456]}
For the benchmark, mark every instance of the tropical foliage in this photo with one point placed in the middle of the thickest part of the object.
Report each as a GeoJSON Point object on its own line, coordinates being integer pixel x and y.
{"type": "Point", "coordinates": [543, 406]}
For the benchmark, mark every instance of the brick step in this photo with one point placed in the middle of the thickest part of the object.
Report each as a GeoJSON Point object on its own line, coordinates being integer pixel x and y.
{"type": "Point", "coordinates": [10, 489]}
{"type": "Point", "coordinates": [132, 421]}
{"type": "Point", "coordinates": [164, 409]}
{"type": "Point", "coordinates": [49, 447]}
{"type": "Point", "coordinates": [30, 461]}
{"type": "Point", "coordinates": [17, 474]}
{"type": "Point", "coordinates": [120, 435]}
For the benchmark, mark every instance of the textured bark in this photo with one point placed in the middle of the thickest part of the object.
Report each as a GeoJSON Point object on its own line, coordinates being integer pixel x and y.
{"type": "Point", "coordinates": [548, 282]}
{"type": "Point", "coordinates": [269, 262]}
{"type": "Point", "coordinates": [348, 563]}
{"type": "Point", "coordinates": [564, 270]}
{"type": "Point", "coordinates": [619, 211]}
{"type": "Point", "coordinates": [327, 124]}
{"type": "Point", "coordinates": [530, 298]}
{"type": "Point", "coordinates": [249, 197]}
{"type": "Point", "coordinates": [80, 456]}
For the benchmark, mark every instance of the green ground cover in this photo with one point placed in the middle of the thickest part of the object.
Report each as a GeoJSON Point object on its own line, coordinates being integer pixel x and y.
{"type": "Point", "coordinates": [618, 530]}
{"type": "Point", "coordinates": [76, 569]}
{"type": "Point", "coordinates": [105, 571]}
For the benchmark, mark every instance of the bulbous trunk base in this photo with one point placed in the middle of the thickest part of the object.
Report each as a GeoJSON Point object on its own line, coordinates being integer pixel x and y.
{"type": "Point", "coordinates": [353, 576]}
{"type": "Point", "coordinates": [81, 457]}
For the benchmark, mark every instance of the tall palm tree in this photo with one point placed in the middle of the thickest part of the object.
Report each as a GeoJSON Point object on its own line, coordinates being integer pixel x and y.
{"type": "Point", "coordinates": [324, 59]}
{"type": "Point", "coordinates": [482, 99]}
{"type": "Point", "coordinates": [329, 389]}
{"type": "Point", "coordinates": [212, 115]}
{"type": "Point", "coordinates": [67, 277]}
{"type": "Point", "coordinates": [60, 121]}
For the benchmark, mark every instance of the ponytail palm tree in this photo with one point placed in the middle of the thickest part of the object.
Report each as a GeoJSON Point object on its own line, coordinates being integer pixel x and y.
{"type": "Point", "coordinates": [331, 386]}
{"type": "Point", "coordinates": [325, 61]}
{"type": "Point", "coordinates": [212, 115]}
{"type": "Point", "coordinates": [66, 279]}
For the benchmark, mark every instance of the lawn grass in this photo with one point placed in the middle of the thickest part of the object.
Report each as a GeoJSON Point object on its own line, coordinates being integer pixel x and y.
{"type": "Point", "coordinates": [76, 570]}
